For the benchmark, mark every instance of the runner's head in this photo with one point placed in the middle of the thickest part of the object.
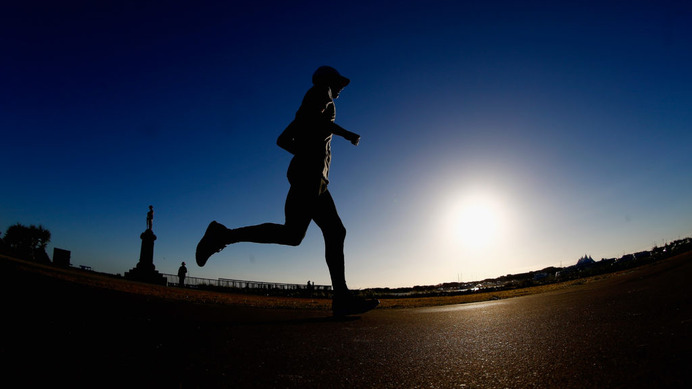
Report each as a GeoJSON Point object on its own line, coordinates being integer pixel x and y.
{"type": "Point", "coordinates": [327, 75]}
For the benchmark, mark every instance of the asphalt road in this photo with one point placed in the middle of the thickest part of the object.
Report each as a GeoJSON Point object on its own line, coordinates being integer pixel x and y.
{"type": "Point", "coordinates": [629, 331]}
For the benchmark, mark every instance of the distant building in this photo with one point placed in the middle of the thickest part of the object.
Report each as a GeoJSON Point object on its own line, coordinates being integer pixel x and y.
{"type": "Point", "coordinates": [61, 257]}
{"type": "Point", "coordinates": [642, 254]}
{"type": "Point", "coordinates": [585, 261]}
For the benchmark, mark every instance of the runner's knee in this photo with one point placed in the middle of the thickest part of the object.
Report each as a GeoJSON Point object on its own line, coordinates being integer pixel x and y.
{"type": "Point", "coordinates": [336, 233]}
{"type": "Point", "coordinates": [294, 237]}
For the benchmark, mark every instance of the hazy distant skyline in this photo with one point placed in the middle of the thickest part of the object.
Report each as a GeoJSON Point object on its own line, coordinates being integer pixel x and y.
{"type": "Point", "coordinates": [497, 137]}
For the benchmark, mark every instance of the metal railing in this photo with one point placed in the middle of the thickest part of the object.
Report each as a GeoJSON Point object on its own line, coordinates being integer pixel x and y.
{"type": "Point", "coordinates": [173, 279]}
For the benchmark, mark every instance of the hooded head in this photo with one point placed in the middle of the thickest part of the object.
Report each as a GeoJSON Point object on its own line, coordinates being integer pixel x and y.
{"type": "Point", "coordinates": [327, 75]}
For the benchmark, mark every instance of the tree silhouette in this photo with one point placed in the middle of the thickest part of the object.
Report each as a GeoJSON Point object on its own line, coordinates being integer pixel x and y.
{"type": "Point", "coordinates": [27, 242]}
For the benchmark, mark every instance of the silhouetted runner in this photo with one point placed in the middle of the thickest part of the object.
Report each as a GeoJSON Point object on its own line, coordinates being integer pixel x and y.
{"type": "Point", "coordinates": [308, 138]}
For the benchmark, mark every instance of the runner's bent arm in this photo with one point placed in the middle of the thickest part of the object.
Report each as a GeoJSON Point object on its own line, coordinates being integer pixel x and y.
{"type": "Point", "coordinates": [346, 134]}
{"type": "Point", "coordinates": [314, 112]}
{"type": "Point", "coordinates": [287, 142]}
{"type": "Point", "coordinates": [318, 108]}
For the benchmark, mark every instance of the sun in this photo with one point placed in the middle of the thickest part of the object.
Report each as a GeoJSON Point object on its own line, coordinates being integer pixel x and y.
{"type": "Point", "coordinates": [475, 221]}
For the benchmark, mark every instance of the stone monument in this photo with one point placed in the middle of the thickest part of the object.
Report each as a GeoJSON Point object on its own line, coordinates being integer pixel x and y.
{"type": "Point", "coordinates": [145, 270]}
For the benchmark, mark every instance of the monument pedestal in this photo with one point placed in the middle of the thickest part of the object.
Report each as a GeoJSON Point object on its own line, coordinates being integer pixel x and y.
{"type": "Point", "coordinates": [145, 270]}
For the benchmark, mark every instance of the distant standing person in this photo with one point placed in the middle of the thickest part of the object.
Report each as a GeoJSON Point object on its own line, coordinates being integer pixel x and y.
{"type": "Point", "coordinates": [150, 218]}
{"type": "Point", "coordinates": [182, 273]}
{"type": "Point", "coordinates": [308, 138]}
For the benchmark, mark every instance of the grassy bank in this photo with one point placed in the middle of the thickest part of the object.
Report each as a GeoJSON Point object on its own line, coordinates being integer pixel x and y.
{"type": "Point", "coordinates": [194, 296]}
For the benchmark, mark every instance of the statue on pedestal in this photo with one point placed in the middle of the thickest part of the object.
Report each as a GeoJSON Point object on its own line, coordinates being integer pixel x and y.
{"type": "Point", "coordinates": [150, 218]}
{"type": "Point", "coordinates": [145, 269]}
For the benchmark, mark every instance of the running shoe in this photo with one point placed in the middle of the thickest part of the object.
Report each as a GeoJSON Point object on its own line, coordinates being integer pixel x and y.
{"type": "Point", "coordinates": [352, 305]}
{"type": "Point", "coordinates": [212, 242]}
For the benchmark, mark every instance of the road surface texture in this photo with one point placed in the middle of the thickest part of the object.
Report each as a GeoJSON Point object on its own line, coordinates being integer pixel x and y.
{"type": "Point", "coordinates": [632, 330]}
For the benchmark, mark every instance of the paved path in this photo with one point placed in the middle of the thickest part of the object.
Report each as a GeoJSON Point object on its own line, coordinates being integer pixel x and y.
{"type": "Point", "coordinates": [627, 331]}
{"type": "Point", "coordinates": [631, 331]}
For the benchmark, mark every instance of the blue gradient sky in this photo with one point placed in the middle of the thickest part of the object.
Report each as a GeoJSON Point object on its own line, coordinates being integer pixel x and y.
{"type": "Point", "coordinates": [565, 125]}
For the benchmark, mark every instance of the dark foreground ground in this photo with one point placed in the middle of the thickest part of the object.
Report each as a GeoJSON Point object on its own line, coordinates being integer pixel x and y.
{"type": "Point", "coordinates": [632, 330]}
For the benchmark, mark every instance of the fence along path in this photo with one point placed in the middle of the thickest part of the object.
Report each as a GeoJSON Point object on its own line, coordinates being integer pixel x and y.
{"type": "Point", "coordinates": [242, 284]}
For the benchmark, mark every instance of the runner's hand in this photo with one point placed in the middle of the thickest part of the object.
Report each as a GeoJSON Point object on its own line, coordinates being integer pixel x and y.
{"type": "Point", "coordinates": [355, 139]}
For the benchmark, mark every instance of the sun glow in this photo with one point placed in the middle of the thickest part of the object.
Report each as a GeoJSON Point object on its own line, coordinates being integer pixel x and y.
{"type": "Point", "coordinates": [475, 221]}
